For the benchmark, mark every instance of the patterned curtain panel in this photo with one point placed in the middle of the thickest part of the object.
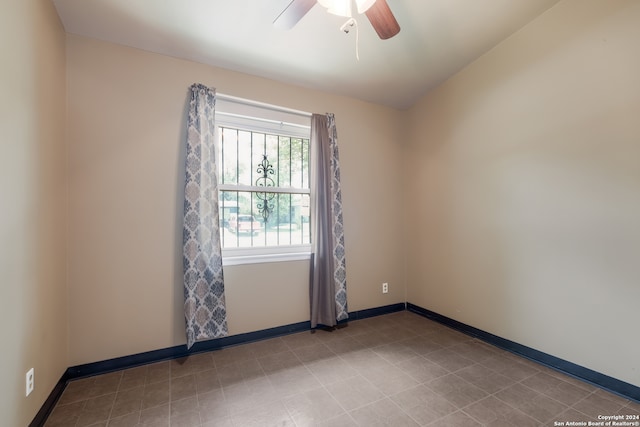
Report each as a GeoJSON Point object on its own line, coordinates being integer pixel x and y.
{"type": "Point", "coordinates": [204, 303]}
{"type": "Point", "coordinates": [328, 288]}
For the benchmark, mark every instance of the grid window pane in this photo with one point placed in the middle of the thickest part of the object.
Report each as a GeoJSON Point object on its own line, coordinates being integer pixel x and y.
{"type": "Point", "coordinates": [244, 158]}
{"type": "Point", "coordinates": [264, 195]}
{"type": "Point", "coordinates": [229, 156]}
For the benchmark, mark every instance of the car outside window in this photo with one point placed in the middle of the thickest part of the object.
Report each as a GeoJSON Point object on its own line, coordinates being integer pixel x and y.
{"type": "Point", "coordinates": [264, 188]}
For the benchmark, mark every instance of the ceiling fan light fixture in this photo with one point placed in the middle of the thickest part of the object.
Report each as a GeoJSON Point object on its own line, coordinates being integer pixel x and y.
{"type": "Point", "coordinates": [337, 7]}
{"type": "Point", "coordinates": [377, 12]}
{"type": "Point", "coordinates": [364, 5]}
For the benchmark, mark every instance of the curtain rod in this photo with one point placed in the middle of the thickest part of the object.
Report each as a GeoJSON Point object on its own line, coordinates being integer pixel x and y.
{"type": "Point", "coordinates": [273, 107]}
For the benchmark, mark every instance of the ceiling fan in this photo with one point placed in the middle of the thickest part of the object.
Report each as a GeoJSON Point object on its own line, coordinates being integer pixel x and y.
{"type": "Point", "coordinates": [377, 11]}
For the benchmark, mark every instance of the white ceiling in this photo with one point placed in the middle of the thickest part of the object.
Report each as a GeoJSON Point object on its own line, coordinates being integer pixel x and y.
{"type": "Point", "coordinates": [437, 39]}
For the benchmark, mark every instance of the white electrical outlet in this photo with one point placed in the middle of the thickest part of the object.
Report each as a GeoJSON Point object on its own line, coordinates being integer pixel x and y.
{"type": "Point", "coordinates": [30, 381]}
{"type": "Point", "coordinates": [385, 288]}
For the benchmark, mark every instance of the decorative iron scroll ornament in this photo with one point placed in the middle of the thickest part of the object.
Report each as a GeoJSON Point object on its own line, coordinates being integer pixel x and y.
{"type": "Point", "coordinates": [265, 205]}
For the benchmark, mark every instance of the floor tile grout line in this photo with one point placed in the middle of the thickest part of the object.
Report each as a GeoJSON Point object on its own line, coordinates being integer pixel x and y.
{"type": "Point", "coordinates": [518, 409]}
{"type": "Point", "coordinates": [377, 344]}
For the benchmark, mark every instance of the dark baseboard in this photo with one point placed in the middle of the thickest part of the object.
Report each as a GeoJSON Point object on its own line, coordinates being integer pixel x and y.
{"type": "Point", "coordinates": [377, 311]}
{"type": "Point", "coordinates": [125, 362]}
{"type": "Point", "coordinates": [176, 352]}
{"type": "Point", "coordinates": [613, 385]}
{"type": "Point", "coordinates": [50, 403]}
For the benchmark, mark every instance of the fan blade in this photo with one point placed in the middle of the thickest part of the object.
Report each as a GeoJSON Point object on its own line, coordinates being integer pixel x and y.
{"type": "Point", "coordinates": [293, 13]}
{"type": "Point", "coordinates": [382, 20]}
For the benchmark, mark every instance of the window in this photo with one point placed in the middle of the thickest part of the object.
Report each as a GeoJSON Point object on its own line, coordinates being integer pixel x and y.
{"type": "Point", "coordinates": [264, 184]}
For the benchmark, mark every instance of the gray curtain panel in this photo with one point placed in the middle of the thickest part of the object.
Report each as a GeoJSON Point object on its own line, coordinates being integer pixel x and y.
{"type": "Point", "coordinates": [204, 302]}
{"type": "Point", "coordinates": [328, 287]}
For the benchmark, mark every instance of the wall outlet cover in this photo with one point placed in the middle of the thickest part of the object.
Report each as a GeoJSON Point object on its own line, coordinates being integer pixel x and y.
{"type": "Point", "coordinates": [30, 380]}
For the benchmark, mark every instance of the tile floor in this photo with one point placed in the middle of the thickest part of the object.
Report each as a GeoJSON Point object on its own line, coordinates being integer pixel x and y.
{"type": "Point", "coordinates": [394, 370]}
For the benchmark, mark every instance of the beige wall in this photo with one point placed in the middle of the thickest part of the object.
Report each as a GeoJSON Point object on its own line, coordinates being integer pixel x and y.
{"type": "Point", "coordinates": [523, 174]}
{"type": "Point", "coordinates": [521, 196]}
{"type": "Point", "coordinates": [33, 300]}
{"type": "Point", "coordinates": [126, 127]}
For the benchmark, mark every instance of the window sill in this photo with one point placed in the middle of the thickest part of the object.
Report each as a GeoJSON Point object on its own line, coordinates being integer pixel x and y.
{"type": "Point", "coordinates": [264, 258]}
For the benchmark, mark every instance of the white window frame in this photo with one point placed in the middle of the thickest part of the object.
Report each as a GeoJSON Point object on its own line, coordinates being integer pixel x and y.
{"type": "Point", "coordinates": [251, 116]}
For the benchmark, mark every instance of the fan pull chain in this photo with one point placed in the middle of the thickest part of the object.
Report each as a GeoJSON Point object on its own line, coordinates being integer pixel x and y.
{"type": "Point", "coordinates": [346, 28]}
{"type": "Point", "coordinates": [357, 40]}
